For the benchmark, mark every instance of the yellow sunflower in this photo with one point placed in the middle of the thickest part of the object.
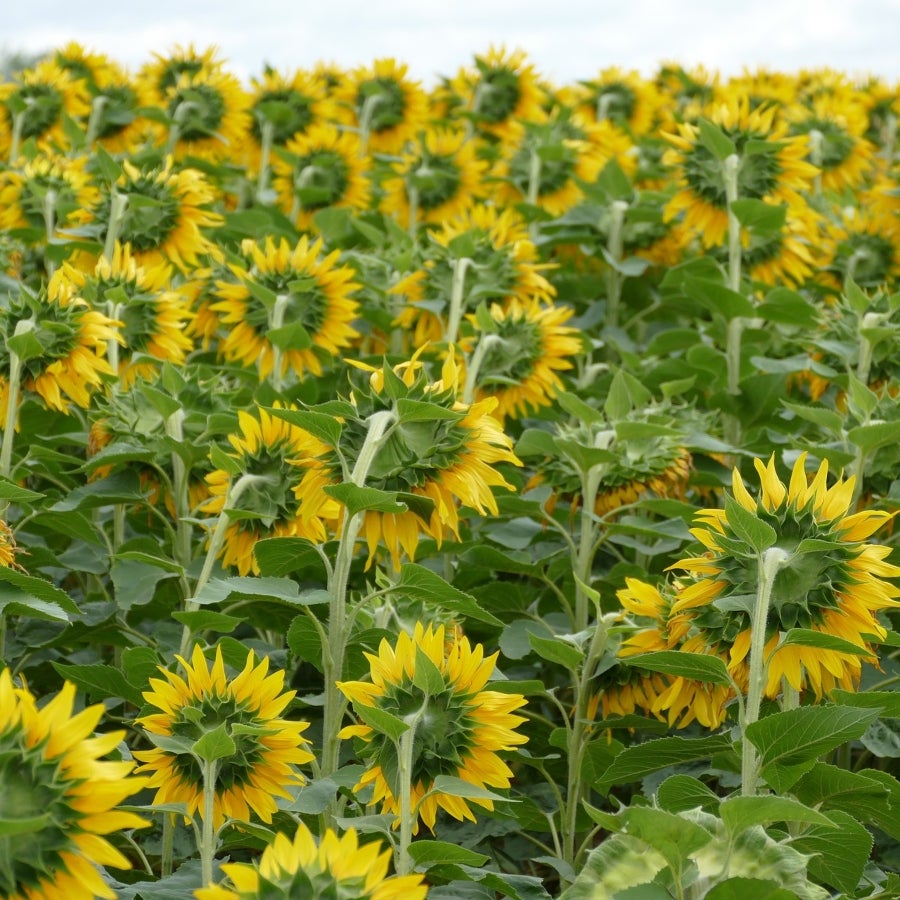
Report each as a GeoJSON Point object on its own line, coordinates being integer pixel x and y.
{"type": "Point", "coordinates": [116, 121]}
{"type": "Point", "coordinates": [163, 72]}
{"type": "Point", "coordinates": [310, 868]}
{"type": "Point", "coordinates": [164, 216]}
{"type": "Point", "coordinates": [272, 451]}
{"type": "Point", "coordinates": [501, 92]}
{"type": "Point", "coordinates": [303, 290]}
{"type": "Point", "coordinates": [460, 728]}
{"type": "Point", "coordinates": [383, 104]}
{"type": "Point", "coordinates": [47, 194]}
{"type": "Point", "coordinates": [834, 130]}
{"type": "Point", "coordinates": [834, 581]}
{"type": "Point", "coordinates": [504, 264]}
{"type": "Point", "coordinates": [153, 316]}
{"type": "Point", "coordinates": [207, 112]}
{"type": "Point", "coordinates": [248, 707]}
{"type": "Point", "coordinates": [35, 105]}
{"type": "Point", "coordinates": [82, 63]}
{"type": "Point", "coordinates": [627, 99]}
{"type": "Point", "coordinates": [59, 797]}
{"type": "Point", "coordinates": [73, 337]}
{"type": "Point", "coordinates": [762, 88]}
{"type": "Point", "coordinates": [775, 171]}
{"type": "Point", "coordinates": [322, 168]}
{"type": "Point", "coordinates": [432, 464]}
{"type": "Point", "coordinates": [861, 244]}
{"type": "Point", "coordinates": [436, 179]}
{"type": "Point", "coordinates": [528, 345]}
{"type": "Point", "coordinates": [286, 106]}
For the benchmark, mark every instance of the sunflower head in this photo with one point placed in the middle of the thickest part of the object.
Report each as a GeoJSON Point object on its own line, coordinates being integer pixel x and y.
{"type": "Point", "coordinates": [832, 580]}
{"type": "Point", "coordinates": [242, 714]}
{"type": "Point", "coordinates": [331, 866]}
{"type": "Point", "coordinates": [436, 686]}
{"type": "Point", "coordinates": [59, 796]}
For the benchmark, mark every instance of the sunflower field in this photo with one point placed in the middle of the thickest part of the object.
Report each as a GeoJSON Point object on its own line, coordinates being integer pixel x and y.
{"type": "Point", "coordinates": [476, 491]}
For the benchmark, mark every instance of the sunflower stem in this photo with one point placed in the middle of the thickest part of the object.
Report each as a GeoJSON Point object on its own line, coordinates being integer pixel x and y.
{"type": "Point", "coordinates": [770, 563]}
{"type": "Point", "coordinates": [276, 320]}
{"type": "Point", "coordinates": [16, 139]}
{"type": "Point", "coordinates": [816, 141]}
{"type": "Point", "coordinates": [889, 137]}
{"type": "Point", "coordinates": [48, 208]}
{"type": "Point", "coordinates": [405, 751]}
{"type": "Point", "coordinates": [534, 187]}
{"type": "Point", "coordinates": [457, 290]}
{"type": "Point", "coordinates": [208, 830]}
{"type": "Point", "coordinates": [13, 388]}
{"type": "Point", "coordinates": [267, 133]}
{"type": "Point", "coordinates": [118, 203]}
{"type": "Point", "coordinates": [215, 545]}
{"type": "Point", "coordinates": [413, 193]}
{"type": "Point", "coordinates": [365, 121]}
{"type": "Point", "coordinates": [615, 245]}
{"type": "Point", "coordinates": [93, 125]}
{"type": "Point", "coordinates": [167, 854]}
{"type": "Point", "coordinates": [183, 530]}
{"type": "Point", "coordinates": [333, 659]}
{"type": "Point", "coordinates": [485, 343]}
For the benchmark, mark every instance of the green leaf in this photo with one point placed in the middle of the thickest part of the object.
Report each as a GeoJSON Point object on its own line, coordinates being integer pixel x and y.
{"type": "Point", "coordinates": [886, 702]}
{"type": "Point", "coordinates": [215, 744]}
{"type": "Point", "coordinates": [24, 826]}
{"type": "Point", "coordinates": [429, 853]}
{"type": "Point", "coordinates": [10, 491]}
{"type": "Point", "coordinates": [25, 345]}
{"type": "Point", "coordinates": [420, 411]}
{"type": "Point", "coordinates": [796, 737]}
{"type": "Point", "coordinates": [882, 739]}
{"type": "Point", "coordinates": [681, 792]}
{"type": "Point", "coordinates": [420, 583]}
{"type": "Point", "coordinates": [280, 556]}
{"type": "Point", "coordinates": [695, 666]}
{"type": "Point", "coordinates": [123, 486]}
{"type": "Point", "coordinates": [139, 665]}
{"type": "Point", "coordinates": [458, 787]}
{"type": "Point", "coordinates": [427, 676]}
{"type": "Point", "coordinates": [761, 217]}
{"type": "Point", "coordinates": [326, 428]}
{"type": "Point", "coordinates": [27, 590]}
{"type": "Point", "coordinates": [282, 590]}
{"type": "Point", "coordinates": [832, 422]}
{"type": "Point", "coordinates": [878, 434]}
{"type": "Point", "coordinates": [557, 650]}
{"type": "Point", "coordinates": [528, 687]}
{"type": "Point", "coordinates": [578, 409]}
{"type": "Point", "coordinates": [536, 442]}
{"type": "Point", "coordinates": [741, 813]}
{"type": "Point", "coordinates": [749, 527]}
{"type": "Point", "coordinates": [673, 836]}
{"type": "Point", "coordinates": [357, 498]}
{"type": "Point", "coordinates": [633, 763]}
{"type": "Point", "coordinates": [748, 889]}
{"type": "Point", "coordinates": [207, 620]}
{"type": "Point", "coordinates": [380, 721]}
{"type": "Point", "coordinates": [110, 170]}
{"type": "Point", "coordinates": [100, 681]}
{"type": "Point", "coordinates": [292, 336]}
{"type": "Point", "coordinates": [840, 849]}
{"type": "Point", "coordinates": [787, 307]}
{"type": "Point", "coordinates": [806, 637]}
{"type": "Point", "coordinates": [717, 298]}
{"type": "Point", "coordinates": [305, 641]}
{"type": "Point", "coordinates": [149, 559]}
{"type": "Point", "coordinates": [715, 140]}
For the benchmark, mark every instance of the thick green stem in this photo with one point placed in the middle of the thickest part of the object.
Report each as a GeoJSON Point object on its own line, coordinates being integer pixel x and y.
{"type": "Point", "coordinates": [276, 320]}
{"type": "Point", "coordinates": [485, 343]}
{"type": "Point", "coordinates": [48, 208]}
{"type": "Point", "coordinates": [117, 205]}
{"type": "Point", "coordinates": [16, 139]}
{"type": "Point", "coordinates": [181, 488]}
{"type": "Point", "coordinates": [457, 291]}
{"type": "Point", "coordinates": [615, 246]}
{"type": "Point", "coordinates": [93, 125]}
{"type": "Point", "coordinates": [267, 132]}
{"type": "Point", "coordinates": [365, 121]}
{"type": "Point", "coordinates": [208, 828]}
{"type": "Point", "coordinates": [735, 325]}
{"type": "Point", "coordinates": [816, 140]}
{"type": "Point", "coordinates": [333, 659]}
{"type": "Point", "coordinates": [167, 854]}
{"type": "Point", "coordinates": [405, 747]}
{"type": "Point", "coordinates": [770, 563]}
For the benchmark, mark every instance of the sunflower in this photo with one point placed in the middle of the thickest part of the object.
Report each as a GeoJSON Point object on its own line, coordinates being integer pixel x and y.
{"type": "Point", "coordinates": [272, 451]}
{"type": "Point", "coordinates": [501, 93]}
{"type": "Point", "coordinates": [116, 121]}
{"type": "Point", "coordinates": [82, 63]}
{"type": "Point", "coordinates": [153, 316]}
{"type": "Point", "coordinates": [834, 130]}
{"type": "Point", "coordinates": [73, 338]}
{"type": "Point", "coordinates": [306, 867]}
{"type": "Point", "coordinates": [303, 290]}
{"type": "Point", "coordinates": [36, 104]}
{"type": "Point", "coordinates": [433, 464]}
{"type": "Point", "coordinates": [248, 707]}
{"type": "Point", "coordinates": [386, 107]}
{"type": "Point", "coordinates": [528, 344]}
{"type": "Point", "coordinates": [56, 784]}
{"type": "Point", "coordinates": [207, 112]}
{"type": "Point", "coordinates": [503, 260]}
{"type": "Point", "coordinates": [46, 194]}
{"type": "Point", "coordinates": [288, 106]}
{"type": "Point", "coordinates": [773, 169]}
{"type": "Point", "coordinates": [571, 151]}
{"type": "Point", "coordinates": [834, 582]}
{"type": "Point", "coordinates": [320, 169]}
{"type": "Point", "coordinates": [861, 244]}
{"type": "Point", "coordinates": [164, 215]}
{"type": "Point", "coordinates": [627, 99]}
{"type": "Point", "coordinates": [460, 727]}
{"type": "Point", "coordinates": [163, 73]}
{"type": "Point", "coordinates": [762, 88]}
{"type": "Point", "coordinates": [436, 179]}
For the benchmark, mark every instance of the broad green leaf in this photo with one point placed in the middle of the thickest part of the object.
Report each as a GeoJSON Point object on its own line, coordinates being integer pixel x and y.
{"type": "Point", "coordinates": [150, 559]}
{"type": "Point", "coordinates": [326, 428]}
{"type": "Point", "coordinates": [878, 434]}
{"type": "Point", "coordinates": [528, 687]}
{"type": "Point", "coordinates": [748, 889]}
{"type": "Point", "coordinates": [10, 491]}
{"type": "Point", "coordinates": [458, 787]}
{"type": "Point", "coordinates": [741, 813]}
{"type": "Point", "coordinates": [633, 763]}
{"type": "Point", "coordinates": [828, 419]}
{"type": "Point", "coordinates": [796, 737]}
{"type": "Point", "coordinates": [100, 681]}
{"type": "Point", "coordinates": [749, 527]}
{"type": "Point", "coordinates": [681, 792]}
{"type": "Point", "coordinates": [719, 299]}
{"type": "Point", "coordinates": [536, 442]}
{"type": "Point", "coordinates": [840, 851]}
{"type": "Point", "coordinates": [806, 637]}
{"type": "Point", "coordinates": [882, 739]}
{"type": "Point", "coordinates": [420, 411]}
{"type": "Point", "coordinates": [427, 676]}
{"type": "Point", "coordinates": [787, 307]}
{"type": "Point", "coordinates": [122, 486]}
{"type": "Point", "coordinates": [24, 826]}
{"type": "Point", "coordinates": [357, 498]}
{"type": "Point", "coordinates": [715, 140]}
{"type": "Point", "coordinates": [759, 216]}
{"type": "Point", "coordinates": [675, 837]}
{"type": "Point", "coordinates": [279, 556]}
{"type": "Point", "coordinates": [139, 665]}
{"type": "Point", "coordinates": [207, 620]}
{"type": "Point", "coordinates": [304, 640]}
{"type": "Point", "coordinates": [19, 588]}
{"type": "Point", "coordinates": [886, 702]}
{"type": "Point", "coordinates": [557, 650]}
{"type": "Point", "coordinates": [695, 666]}
{"type": "Point", "coordinates": [381, 721]}
{"type": "Point", "coordinates": [215, 744]}
{"type": "Point", "coordinates": [428, 853]}
{"type": "Point", "coordinates": [292, 336]}
{"type": "Point", "coordinates": [419, 583]}
{"type": "Point", "coordinates": [283, 590]}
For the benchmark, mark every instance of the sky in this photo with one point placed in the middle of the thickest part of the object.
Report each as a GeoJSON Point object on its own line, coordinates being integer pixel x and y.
{"type": "Point", "coordinates": [565, 40]}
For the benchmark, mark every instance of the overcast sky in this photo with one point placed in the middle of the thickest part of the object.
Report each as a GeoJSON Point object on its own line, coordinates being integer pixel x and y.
{"type": "Point", "coordinates": [565, 39]}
